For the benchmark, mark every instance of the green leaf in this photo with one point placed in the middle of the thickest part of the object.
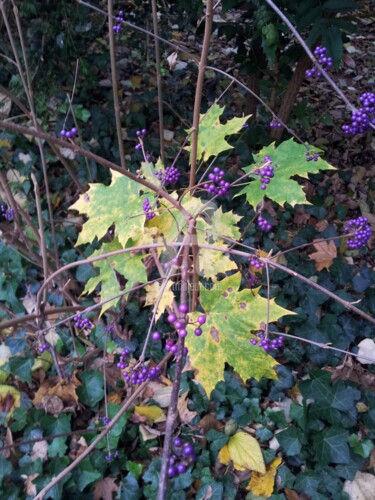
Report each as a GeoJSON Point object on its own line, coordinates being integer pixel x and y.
{"type": "Point", "coordinates": [128, 265]}
{"type": "Point", "coordinates": [21, 367]}
{"type": "Point", "coordinates": [361, 447]}
{"type": "Point", "coordinates": [130, 489]}
{"type": "Point", "coordinates": [87, 474]}
{"type": "Point", "coordinates": [120, 203]}
{"type": "Point", "coordinates": [57, 448]}
{"type": "Point", "coordinates": [92, 389]}
{"type": "Point", "coordinates": [217, 224]}
{"type": "Point", "coordinates": [331, 445]}
{"type": "Point", "coordinates": [230, 317]}
{"type": "Point", "coordinates": [291, 440]}
{"type": "Point", "coordinates": [211, 136]}
{"type": "Point", "coordinates": [5, 468]}
{"type": "Point", "coordinates": [290, 158]}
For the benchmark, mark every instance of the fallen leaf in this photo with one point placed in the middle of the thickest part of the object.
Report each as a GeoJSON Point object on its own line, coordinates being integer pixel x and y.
{"type": "Point", "coordinates": [152, 413]}
{"type": "Point", "coordinates": [362, 487]}
{"type": "Point", "coordinates": [263, 484]}
{"type": "Point", "coordinates": [9, 399]}
{"type": "Point", "coordinates": [30, 487]}
{"type": "Point", "coordinates": [148, 433]}
{"type": "Point", "coordinates": [160, 393]}
{"type": "Point", "coordinates": [40, 450]}
{"type": "Point", "coordinates": [56, 395]}
{"type": "Point", "coordinates": [104, 489]}
{"type": "Point", "coordinates": [186, 415]}
{"type": "Point", "coordinates": [323, 257]}
{"type": "Point", "coordinates": [366, 352]}
{"type": "Point", "coordinates": [245, 453]}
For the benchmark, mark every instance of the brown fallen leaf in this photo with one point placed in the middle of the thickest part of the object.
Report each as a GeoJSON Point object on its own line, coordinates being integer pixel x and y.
{"type": "Point", "coordinates": [104, 489]}
{"type": "Point", "coordinates": [186, 415]}
{"type": "Point", "coordinates": [30, 487]}
{"type": "Point", "coordinates": [54, 388]}
{"type": "Point", "coordinates": [323, 257]}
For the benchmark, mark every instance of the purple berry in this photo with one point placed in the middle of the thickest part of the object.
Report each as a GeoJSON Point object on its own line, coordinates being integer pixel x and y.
{"type": "Point", "coordinates": [201, 319]}
{"type": "Point", "coordinates": [198, 332]}
{"type": "Point", "coordinates": [156, 336]}
{"type": "Point", "coordinates": [183, 308]}
{"type": "Point", "coordinates": [171, 318]}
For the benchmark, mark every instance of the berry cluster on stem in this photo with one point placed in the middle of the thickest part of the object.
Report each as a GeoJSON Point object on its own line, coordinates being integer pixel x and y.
{"type": "Point", "coordinates": [265, 343]}
{"type": "Point", "coordinates": [136, 374]}
{"type": "Point", "coordinates": [6, 213]}
{"type": "Point", "coordinates": [362, 118]}
{"type": "Point", "coordinates": [312, 156]}
{"type": "Point", "coordinates": [324, 61]}
{"type": "Point", "coordinates": [81, 322]}
{"type": "Point", "coordinates": [119, 21]}
{"type": "Point", "coordinates": [147, 210]}
{"type": "Point", "coordinates": [266, 173]}
{"type": "Point", "coordinates": [171, 175]}
{"type": "Point", "coordinates": [182, 456]}
{"type": "Point", "coordinates": [275, 123]}
{"type": "Point", "coordinates": [254, 261]}
{"type": "Point", "coordinates": [361, 235]}
{"type": "Point", "coordinates": [216, 185]}
{"type": "Point", "coordinates": [44, 347]}
{"type": "Point", "coordinates": [264, 224]}
{"type": "Point", "coordinates": [69, 134]}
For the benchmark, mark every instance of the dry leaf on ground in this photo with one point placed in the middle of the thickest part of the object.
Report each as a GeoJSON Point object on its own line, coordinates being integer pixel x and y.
{"type": "Point", "coordinates": [324, 255]}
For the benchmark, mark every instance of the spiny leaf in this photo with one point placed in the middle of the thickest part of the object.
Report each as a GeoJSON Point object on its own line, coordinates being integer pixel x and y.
{"type": "Point", "coordinates": [290, 157]}
{"type": "Point", "coordinates": [120, 203]}
{"type": "Point", "coordinates": [245, 453]}
{"type": "Point", "coordinates": [212, 133]}
{"type": "Point", "coordinates": [231, 315]}
{"type": "Point", "coordinates": [128, 265]}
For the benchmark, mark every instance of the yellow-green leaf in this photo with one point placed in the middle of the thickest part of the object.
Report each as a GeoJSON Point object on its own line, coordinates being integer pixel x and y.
{"type": "Point", "coordinates": [152, 413]}
{"type": "Point", "coordinates": [245, 453]}
{"type": "Point", "coordinates": [9, 399]}
{"type": "Point", "coordinates": [231, 315]}
{"type": "Point", "coordinates": [212, 133]}
{"type": "Point", "coordinates": [263, 485]}
{"type": "Point", "coordinates": [213, 263]}
{"type": "Point", "coordinates": [216, 223]}
{"type": "Point", "coordinates": [154, 293]}
{"type": "Point", "coordinates": [128, 265]}
{"type": "Point", "coordinates": [120, 203]}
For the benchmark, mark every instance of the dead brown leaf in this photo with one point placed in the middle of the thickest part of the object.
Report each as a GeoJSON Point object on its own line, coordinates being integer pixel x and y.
{"type": "Point", "coordinates": [104, 489]}
{"type": "Point", "coordinates": [30, 487]}
{"type": "Point", "coordinates": [323, 257]}
{"type": "Point", "coordinates": [186, 415]}
{"type": "Point", "coordinates": [56, 395]}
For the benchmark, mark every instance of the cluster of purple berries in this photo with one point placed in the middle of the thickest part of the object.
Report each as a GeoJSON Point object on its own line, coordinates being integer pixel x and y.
{"type": "Point", "coordinates": [264, 224]}
{"type": "Point", "coordinates": [266, 344]}
{"type": "Point", "coordinates": [136, 374]}
{"type": "Point", "coordinates": [106, 420]}
{"type": "Point", "coordinates": [217, 186]}
{"type": "Point", "coordinates": [363, 118]}
{"type": "Point", "coordinates": [171, 346]}
{"type": "Point", "coordinates": [256, 262]}
{"type": "Point", "coordinates": [275, 123]}
{"type": "Point", "coordinates": [119, 21]}
{"type": "Point", "coordinates": [140, 134]}
{"type": "Point", "coordinates": [252, 280]}
{"type": "Point", "coordinates": [312, 156]}
{"type": "Point", "coordinates": [147, 210]}
{"type": "Point", "coordinates": [80, 322]}
{"type": "Point", "coordinates": [109, 329]}
{"type": "Point", "coordinates": [266, 173]}
{"type": "Point", "coordinates": [170, 176]}
{"type": "Point", "coordinates": [69, 134]}
{"type": "Point", "coordinates": [182, 456]}
{"type": "Point", "coordinates": [44, 347]}
{"type": "Point", "coordinates": [7, 213]}
{"type": "Point", "coordinates": [362, 232]}
{"type": "Point", "coordinates": [323, 60]}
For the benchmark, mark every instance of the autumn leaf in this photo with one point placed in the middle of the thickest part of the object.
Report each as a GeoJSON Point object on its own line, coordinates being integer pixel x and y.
{"type": "Point", "coordinates": [154, 293]}
{"type": "Point", "coordinates": [212, 133]}
{"type": "Point", "coordinates": [245, 453]}
{"type": "Point", "coordinates": [212, 263]}
{"type": "Point", "coordinates": [9, 400]}
{"type": "Point", "coordinates": [263, 484]}
{"type": "Point", "coordinates": [151, 413]}
{"type": "Point", "coordinates": [104, 489]}
{"type": "Point", "coordinates": [231, 316]}
{"type": "Point", "coordinates": [323, 257]}
{"type": "Point", "coordinates": [186, 416]}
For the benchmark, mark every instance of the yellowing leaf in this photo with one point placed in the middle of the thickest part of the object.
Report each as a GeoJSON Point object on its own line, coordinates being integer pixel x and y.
{"type": "Point", "coordinates": [323, 257]}
{"type": "Point", "coordinates": [211, 135]}
{"type": "Point", "coordinates": [9, 399]}
{"type": "Point", "coordinates": [245, 453]}
{"type": "Point", "coordinates": [231, 315]}
{"type": "Point", "coordinates": [263, 484]}
{"type": "Point", "coordinates": [154, 294]}
{"type": "Point", "coordinates": [220, 224]}
{"type": "Point", "coordinates": [152, 413]}
{"type": "Point", "coordinates": [211, 263]}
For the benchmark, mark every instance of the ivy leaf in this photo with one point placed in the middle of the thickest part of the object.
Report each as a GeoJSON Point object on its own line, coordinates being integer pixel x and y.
{"type": "Point", "coordinates": [331, 445]}
{"type": "Point", "coordinates": [291, 440]}
{"type": "Point", "coordinates": [231, 315]}
{"type": "Point", "coordinates": [212, 133]}
{"type": "Point", "coordinates": [91, 391]}
{"type": "Point", "coordinates": [128, 265]}
{"type": "Point", "coordinates": [153, 295]}
{"type": "Point", "coordinates": [120, 203]}
{"type": "Point", "coordinates": [245, 453]}
{"type": "Point", "coordinates": [290, 158]}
